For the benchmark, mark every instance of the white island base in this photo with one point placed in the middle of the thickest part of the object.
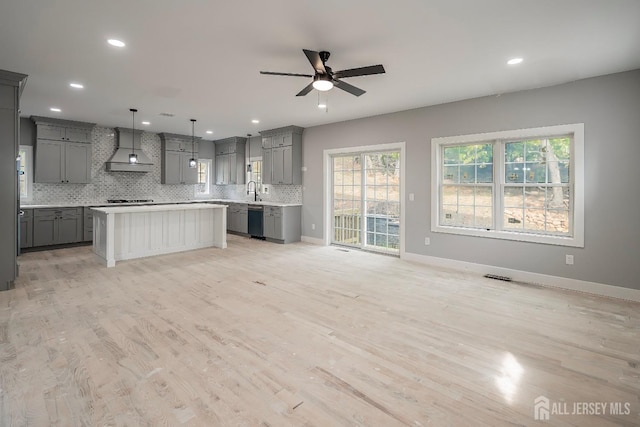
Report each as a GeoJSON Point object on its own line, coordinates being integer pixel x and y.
{"type": "Point", "coordinates": [128, 232]}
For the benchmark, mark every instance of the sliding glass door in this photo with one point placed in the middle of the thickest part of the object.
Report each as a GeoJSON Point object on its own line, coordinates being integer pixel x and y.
{"type": "Point", "coordinates": [366, 200]}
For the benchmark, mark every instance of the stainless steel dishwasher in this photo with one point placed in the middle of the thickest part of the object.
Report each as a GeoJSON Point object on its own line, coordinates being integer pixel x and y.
{"type": "Point", "coordinates": [256, 219]}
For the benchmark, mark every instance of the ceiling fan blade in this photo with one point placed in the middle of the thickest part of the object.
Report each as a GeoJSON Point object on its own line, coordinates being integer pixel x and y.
{"type": "Point", "coordinates": [306, 90]}
{"type": "Point", "coordinates": [314, 59]}
{"type": "Point", "coordinates": [348, 88]}
{"type": "Point", "coordinates": [362, 71]}
{"type": "Point", "coordinates": [272, 73]}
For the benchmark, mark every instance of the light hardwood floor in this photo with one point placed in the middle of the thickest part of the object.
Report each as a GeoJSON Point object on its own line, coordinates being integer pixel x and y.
{"type": "Point", "coordinates": [273, 335]}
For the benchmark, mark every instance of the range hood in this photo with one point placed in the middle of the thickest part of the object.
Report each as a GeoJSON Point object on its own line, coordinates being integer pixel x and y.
{"type": "Point", "coordinates": [119, 162]}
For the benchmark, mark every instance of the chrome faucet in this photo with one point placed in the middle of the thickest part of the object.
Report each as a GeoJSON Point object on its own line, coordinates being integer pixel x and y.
{"type": "Point", "coordinates": [255, 190]}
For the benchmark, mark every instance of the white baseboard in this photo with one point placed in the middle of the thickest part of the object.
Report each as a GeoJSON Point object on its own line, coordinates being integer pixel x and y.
{"type": "Point", "coordinates": [313, 240]}
{"type": "Point", "coordinates": [528, 277]}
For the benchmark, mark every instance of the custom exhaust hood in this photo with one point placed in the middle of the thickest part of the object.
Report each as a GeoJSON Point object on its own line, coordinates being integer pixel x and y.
{"type": "Point", "coordinates": [119, 162]}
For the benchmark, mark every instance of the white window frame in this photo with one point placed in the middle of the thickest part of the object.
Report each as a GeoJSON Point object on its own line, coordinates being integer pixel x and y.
{"type": "Point", "coordinates": [28, 172]}
{"type": "Point", "coordinates": [576, 237]}
{"type": "Point", "coordinates": [207, 193]}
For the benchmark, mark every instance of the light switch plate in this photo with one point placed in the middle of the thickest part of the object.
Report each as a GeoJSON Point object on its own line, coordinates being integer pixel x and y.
{"type": "Point", "coordinates": [412, 197]}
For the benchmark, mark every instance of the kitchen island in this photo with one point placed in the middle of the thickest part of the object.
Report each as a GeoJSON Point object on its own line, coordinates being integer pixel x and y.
{"type": "Point", "coordinates": [128, 232]}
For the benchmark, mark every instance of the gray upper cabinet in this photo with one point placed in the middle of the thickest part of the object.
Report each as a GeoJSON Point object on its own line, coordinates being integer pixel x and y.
{"type": "Point", "coordinates": [63, 151]}
{"type": "Point", "coordinates": [230, 160]}
{"type": "Point", "coordinates": [282, 155]}
{"type": "Point", "coordinates": [176, 152]}
{"type": "Point", "coordinates": [64, 133]}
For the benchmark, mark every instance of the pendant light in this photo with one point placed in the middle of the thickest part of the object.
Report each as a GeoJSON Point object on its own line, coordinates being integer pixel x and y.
{"type": "Point", "coordinates": [133, 157]}
{"type": "Point", "coordinates": [249, 141]}
{"type": "Point", "coordinates": [192, 161]}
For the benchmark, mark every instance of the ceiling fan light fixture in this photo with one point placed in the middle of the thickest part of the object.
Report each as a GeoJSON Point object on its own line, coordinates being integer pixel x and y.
{"type": "Point", "coordinates": [322, 83]}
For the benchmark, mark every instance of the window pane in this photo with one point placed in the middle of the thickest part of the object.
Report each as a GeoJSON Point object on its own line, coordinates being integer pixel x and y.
{"type": "Point", "coordinates": [514, 172]}
{"type": "Point", "coordinates": [514, 152]}
{"type": "Point", "coordinates": [535, 172]}
{"type": "Point", "coordinates": [451, 174]}
{"type": "Point", "coordinates": [534, 219]}
{"type": "Point", "coordinates": [468, 174]}
{"type": "Point", "coordinates": [448, 214]}
{"type": "Point", "coordinates": [484, 154]}
{"type": "Point", "coordinates": [450, 195]}
{"type": "Point", "coordinates": [484, 217]}
{"type": "Point", "coordinates": [484, 172]}
{"type": "Point", "coordinates": [561, 148]}
{"type": "Point", "coordinates": [558, 221]}
{"type": "Point", "coordinates": [514, 197]}
{"type": "Point", "coordinates": [513, 219]}
{"type": "Point", "coordinates": [466, 196]}
{"type": "Point", "coordinates": [466, 216]}
{"type": "Point", "coordinates": [484, 196]}
{"type": "Point", "coordinates": [451, 155]}
{"type": "Point", "coordinates": [535, 197]}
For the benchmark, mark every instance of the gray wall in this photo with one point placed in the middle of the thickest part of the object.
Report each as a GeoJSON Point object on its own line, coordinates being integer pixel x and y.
{"type": "Point", "coordinates": [206, 150]}
{"type": "Point", "coordinates": [27, 131]}
{"type": "Point", "coordinates": [609, 106]}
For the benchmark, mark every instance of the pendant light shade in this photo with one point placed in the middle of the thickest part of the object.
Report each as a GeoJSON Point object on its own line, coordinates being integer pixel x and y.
{"type": "Point", "coordinates": [133, 157]}
{"type": "Point", "coordinates": [193, 162]}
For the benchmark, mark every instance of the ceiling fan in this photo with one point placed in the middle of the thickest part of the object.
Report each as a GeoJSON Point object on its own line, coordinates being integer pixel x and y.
{"type": "Point", "coordinates": [324, 78]}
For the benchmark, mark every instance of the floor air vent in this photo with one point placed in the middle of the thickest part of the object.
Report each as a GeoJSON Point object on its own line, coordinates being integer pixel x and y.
{"type": "Point", "coordinates": [496, 277]}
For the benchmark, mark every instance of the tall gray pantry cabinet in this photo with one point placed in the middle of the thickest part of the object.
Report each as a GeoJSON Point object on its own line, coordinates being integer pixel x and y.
{"type": "Point", "coordinates": [11, 86]}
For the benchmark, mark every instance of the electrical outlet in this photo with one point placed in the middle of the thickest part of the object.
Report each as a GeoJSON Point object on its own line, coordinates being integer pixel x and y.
{"type": "Point", "coordinates": [313, 226]}
{"type": "Point", "coordinates": [412, 197]}
{"type": "Point", "coordinates": [265, 189]}
{"type": "Point", "coordinates": [569, 259]}
{"type": "Point", "coordinates": [427, 241]}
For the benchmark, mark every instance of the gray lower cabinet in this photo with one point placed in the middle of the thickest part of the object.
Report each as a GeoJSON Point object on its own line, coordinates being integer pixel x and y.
{"type": "Point", "coordinates": [282, 224]}
{"type": "Point", "coordinates": [238, 218]}
{"type": "Point", "coordinates": [57, 226]}
{"type": "Point", "coordinates": [26, 229]}
{"type": "Point", "coordinates": [88, 225]}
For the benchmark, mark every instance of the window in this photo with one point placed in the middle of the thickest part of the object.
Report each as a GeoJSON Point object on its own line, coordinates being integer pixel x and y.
{"type": "Point", "coordinates": [519, 185]}
{"type": "Point", "coordinates": [255, 174]}
{"type": "Point", "coordinates": [25, 167]}
{"type": "Point", "coordinates": [204, 177]}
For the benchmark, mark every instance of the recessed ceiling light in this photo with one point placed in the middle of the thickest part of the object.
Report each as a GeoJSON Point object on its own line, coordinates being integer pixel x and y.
{"type": "Point", "coordinates": [255, 121]}
{"type": "Point", "coordinates": [146, 123]}
{"type": "Point", "coordinates": [55, 109]}
{"type": "Point", "coordinates": [116, 43]}
{"type": "Point", "coordinates": [209, 132]}
{"type": "Point", "coordinates": [514, 61]}
{"type": "Point", "coordinates": [76, 85]}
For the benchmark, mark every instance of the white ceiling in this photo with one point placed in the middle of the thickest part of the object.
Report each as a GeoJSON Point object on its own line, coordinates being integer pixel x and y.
{"type": "Point", "coordinates": [201, 59]}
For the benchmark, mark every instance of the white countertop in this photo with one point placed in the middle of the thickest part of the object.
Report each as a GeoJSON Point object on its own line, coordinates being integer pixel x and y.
{"type": "Point", "coordinates": [162, 203]}
{"type": "Point", "coordinates": [157, 208]}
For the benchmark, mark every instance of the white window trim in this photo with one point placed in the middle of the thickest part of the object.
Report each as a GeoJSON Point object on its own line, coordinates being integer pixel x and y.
{"type": "Point", "coordinates": [577, 184]}
{"type": "Point", "coordinates": [209, 177]}
{"type": "Point", "coordinates": [28, 172]}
